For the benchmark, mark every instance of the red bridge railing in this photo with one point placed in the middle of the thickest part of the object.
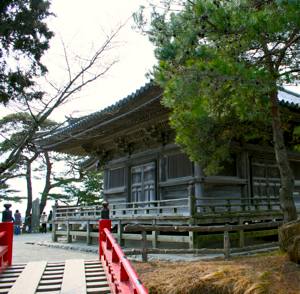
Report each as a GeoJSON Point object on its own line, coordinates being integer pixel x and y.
{"type": "Point", "coordinates": [6, 243]}
{"type": "Point", "coordinates": [120, 274]}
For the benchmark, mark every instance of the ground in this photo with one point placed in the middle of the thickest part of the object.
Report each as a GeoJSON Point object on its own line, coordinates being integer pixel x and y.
{"type": "Point", "coordinates": [263, 274]}
{"type": "Point", "coordinates": [25, 249]}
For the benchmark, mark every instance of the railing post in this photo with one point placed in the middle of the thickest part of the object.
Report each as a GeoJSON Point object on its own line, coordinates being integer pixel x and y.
{"type": "Point", "coordinates": [154, 235]}
{"type": "Point", "coordinates": [54, 229]}
{"type": "Point", "coordinates": [191, 239]}
{"type": "Point", "coordinates": [69, 236]}
{"type": "Point", "coordinates": [120, 233]}
{"type": "Point", "coordinates": [103, 224]}
{"type": "Point", "coordinates": [144, 246]}
{"type": "Point", "coordinates": [241, 235]}
{"type": "Point", "coordinates": [88, 233]}
{"type": "Point", "coordinates": [191, 200]}
{"type": "Point", "coordinates": [226, 245]}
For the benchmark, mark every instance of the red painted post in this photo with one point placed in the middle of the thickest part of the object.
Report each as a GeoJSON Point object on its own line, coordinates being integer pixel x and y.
{"type": "Point", "coordinates": [7, 240]}
{"type": "Point", "coordinates": [120, 274]}
{"type": "Point", "coordinates": [103, 224]}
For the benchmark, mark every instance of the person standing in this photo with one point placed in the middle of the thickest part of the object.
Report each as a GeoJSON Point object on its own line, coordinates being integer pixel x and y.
{"type": "Point", "coordinates": [7, 214]}
{"type": "Point", "coordinates": [43, 221]}
{"type": "Point", "coordinates": [105, 210]}
{"type": "Point", "coordinates": [17, 222]}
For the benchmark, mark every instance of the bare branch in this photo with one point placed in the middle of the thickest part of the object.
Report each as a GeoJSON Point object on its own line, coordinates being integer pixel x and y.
{"type": "Point", "coordinates": [294, 37]}
{"type": "Point", "coordinates": [83, 77]}
{"type": "Point", "coordinates": [67, 61]}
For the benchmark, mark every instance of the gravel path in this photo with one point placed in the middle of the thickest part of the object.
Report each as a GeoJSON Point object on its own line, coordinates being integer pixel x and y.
{"type": "Point", "coordinates": [25, 249]}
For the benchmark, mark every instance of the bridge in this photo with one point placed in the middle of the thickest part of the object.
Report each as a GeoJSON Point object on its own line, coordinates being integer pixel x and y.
{"type": "Point", "coordinates": [111, 273]}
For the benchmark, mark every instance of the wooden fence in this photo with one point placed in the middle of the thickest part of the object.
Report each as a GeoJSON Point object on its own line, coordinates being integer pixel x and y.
{"type": "Point", "coordinates": [201, 229]}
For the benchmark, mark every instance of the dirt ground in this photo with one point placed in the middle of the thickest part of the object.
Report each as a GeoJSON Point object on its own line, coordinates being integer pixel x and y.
{"type": "Point", "coordinates": [263, 274]}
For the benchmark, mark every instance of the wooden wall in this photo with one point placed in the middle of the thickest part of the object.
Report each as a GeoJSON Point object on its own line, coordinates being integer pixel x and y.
{"type": "Point", "coordinates": [166, 173]}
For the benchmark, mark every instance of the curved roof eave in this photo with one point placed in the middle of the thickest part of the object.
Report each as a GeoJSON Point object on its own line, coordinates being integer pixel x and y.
{"type": "Point", "coordinates": [286, 97]}
{"type": "Point", "coordinates": [73, 126]}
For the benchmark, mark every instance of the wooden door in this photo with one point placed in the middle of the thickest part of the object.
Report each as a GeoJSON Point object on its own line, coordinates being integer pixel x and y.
{"type": "Point", "coordinates": [143, 182]}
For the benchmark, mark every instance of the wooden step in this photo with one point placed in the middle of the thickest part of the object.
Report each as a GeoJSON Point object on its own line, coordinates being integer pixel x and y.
{"type": "Point", "coordinates": [69, 277]}
{"type": "Point", "coordinates": [29, 279]}
{"type": "Point", "coordinates": [100, 290]}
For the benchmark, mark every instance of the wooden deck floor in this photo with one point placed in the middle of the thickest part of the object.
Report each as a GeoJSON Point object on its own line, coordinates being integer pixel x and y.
{"type": "Point", "coordinates": [75, 276]}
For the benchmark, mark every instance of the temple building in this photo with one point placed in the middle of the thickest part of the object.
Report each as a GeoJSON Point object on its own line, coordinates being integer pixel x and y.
{"type": "Point", "coordinates": [148, 179]}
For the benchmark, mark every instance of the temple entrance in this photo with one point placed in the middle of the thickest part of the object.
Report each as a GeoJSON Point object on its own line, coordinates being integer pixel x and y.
{"type": "Point", "coordinates": [143, 182]}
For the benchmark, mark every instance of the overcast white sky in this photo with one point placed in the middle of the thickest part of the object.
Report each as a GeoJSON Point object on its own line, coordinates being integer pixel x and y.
{"type": "Point", "coordinates": [81, 25]}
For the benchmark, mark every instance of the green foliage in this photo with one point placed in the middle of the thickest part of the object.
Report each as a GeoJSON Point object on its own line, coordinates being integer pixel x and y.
{"type": "Point", "coordinates": [86, 192]}
{"type": "Point", "coordinates": [24, 37]}
{"type": "Point", "coordinates": [219, 63]}
{"type": "Point", "coordinates": [14, 127]}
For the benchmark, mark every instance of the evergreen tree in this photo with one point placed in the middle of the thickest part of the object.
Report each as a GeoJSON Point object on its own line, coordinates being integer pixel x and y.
{"type": "Point", "coordinates": [220, 65]}
{"type": "Point", "coordinates": [24, 38]}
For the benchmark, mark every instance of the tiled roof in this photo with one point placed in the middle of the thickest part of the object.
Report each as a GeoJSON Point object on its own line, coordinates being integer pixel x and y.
{"type": "Point", "coordinates": [82, 121]}
{"type": "Point", "coordinates": [286, 98]}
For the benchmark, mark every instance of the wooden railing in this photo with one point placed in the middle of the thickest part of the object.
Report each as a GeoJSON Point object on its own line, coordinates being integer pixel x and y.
{"type": "Point", "coordinates": [157, 207]}
{"type": "Point", "coordinates": [234, 204]}
{"type": "Point", "coordinates": [6, 242]}
{"type": "Point", "coordinates": [120, 274]}
{"type": "Point", "coordinates": [178, 206]}
{"type": "Point", "coordinates": [143, 229]}
{"type": "Point", "coordinates": [189, 206]}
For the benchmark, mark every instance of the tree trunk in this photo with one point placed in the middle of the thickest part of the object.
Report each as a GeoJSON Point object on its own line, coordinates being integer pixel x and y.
{"type": "Point", "coordinates": [286, 175]}
{"type": "Point", "coordinates": [29, 193]}
{"type": "Point", "coordinates": [47, 186]}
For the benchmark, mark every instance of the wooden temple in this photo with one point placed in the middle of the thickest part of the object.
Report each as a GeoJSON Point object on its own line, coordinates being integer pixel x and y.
{"type": "Point", "coordinates": [149, 180]}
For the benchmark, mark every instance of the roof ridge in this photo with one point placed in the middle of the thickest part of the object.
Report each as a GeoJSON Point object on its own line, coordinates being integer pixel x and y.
{"type": "Point", "coordinates": [281, 88]}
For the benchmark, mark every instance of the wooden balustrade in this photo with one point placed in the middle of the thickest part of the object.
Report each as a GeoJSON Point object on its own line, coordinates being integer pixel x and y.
{"type": "Point", "coordinates": [233, 204]}
{"type": "Point", "coordinates": [175, 207]}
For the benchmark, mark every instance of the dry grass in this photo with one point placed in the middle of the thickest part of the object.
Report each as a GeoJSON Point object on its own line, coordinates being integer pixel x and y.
{"type": "Point", "coordinates": [272, 274]}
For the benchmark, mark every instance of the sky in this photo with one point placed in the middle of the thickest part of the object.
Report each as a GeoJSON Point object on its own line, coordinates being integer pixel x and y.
{"type": "Point", "coordinates": [81, 26]}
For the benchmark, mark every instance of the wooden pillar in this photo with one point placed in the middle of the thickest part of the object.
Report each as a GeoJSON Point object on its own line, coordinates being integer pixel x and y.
{"type": "Point", "coordinates": [69, 237]}
{"type": "Point", "coordinates": [191, 200]}
{"type": "Point", "coordinates": [246, 174]}
{"type": "Point", "coordinates": [241, 235]}
{"type": "Point", "coordinates": [88, 233]}
{"type": "Point", "coordinates": [54, 228]}
{"type": "Point", "coordinates": [120, 233]}
{"type": "Point", "coordinates": [144, 246]}
{"type": "Point", "coordinates": [226, 245]}
{"type": "Point", "coordinates": [191, 239]}
{"type": "Point", "coordinates": [154, 235]}
{"type": "Point", "coordinates": [199, 188]}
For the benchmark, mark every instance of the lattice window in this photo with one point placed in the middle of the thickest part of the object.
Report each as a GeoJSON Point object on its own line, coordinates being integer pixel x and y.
{"type": "Point", "coordinates": [179, 166]}
{"type": "Point", "coordinates": [116, 178]}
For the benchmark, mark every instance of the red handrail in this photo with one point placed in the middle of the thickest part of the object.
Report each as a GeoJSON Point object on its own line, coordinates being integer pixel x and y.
{"type": "Point", "coordinates": [6, 239]}
{"type": "Point", "coordinates": [120, 274]}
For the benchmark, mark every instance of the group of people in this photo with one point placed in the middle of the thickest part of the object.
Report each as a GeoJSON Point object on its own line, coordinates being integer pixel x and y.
{"type": "Point", "coordinates": [44, 219]}
{"type": "Point", "coordinates": [7, 216]}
